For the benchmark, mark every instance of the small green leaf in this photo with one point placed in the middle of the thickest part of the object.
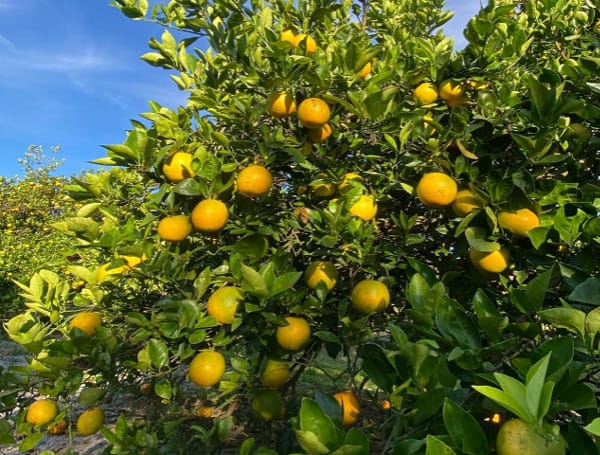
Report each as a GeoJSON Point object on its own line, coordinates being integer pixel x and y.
{"type": "Point", "coordinates": [159, 352]}
{"type": "Point", "coordinates": [254, 283]}
{"type": "Point", "coordinates": [477, 239]}
{"type": "Point", "coordinates": [579, 442]}
{"type": "Point", "coordinates": [534, 387]}
{"type": "Point", "coordinates": [31, 441]}
{"type": "Point", "coordinates": [587, 292]}
{"type": "Point", "coordinates": [90, 396]}
{"type": "Point", "coordinates": [436, 446]}
{"type": "Point", "coordinates": [6, 433]}
{"type": "Point", "coordinates": [594, 427]}
{"type": "Point", "coordinates": [567, 318]}
{"type": "Point", "coordinates": [252, 247]}
{"type": "Point", "coordinates": [377, 366]}
{"type": "Point", "coordinates": [314, 420]}
{"type": "Point", "coordinates": [465, 431]}
{"type": "Point", "coordinates": [310, 443]}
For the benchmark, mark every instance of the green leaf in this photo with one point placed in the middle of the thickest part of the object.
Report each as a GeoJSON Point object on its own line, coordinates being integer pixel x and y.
{"type": "Point", "coordinates": [252, 247]}
{"type": "Point", "coordinates": [158, 352]}
{"type": "Point", "coordinates": [567, 318]}
{"type": "Point", "coordinates": [163, 389]}
{"type": "Point", "coordinates": [6, 434]}
{"type": "Point", "coordinates": [561, 351]}
{"type": "Point", "coordinates": [314, 420]}
{"type": "Point", "coordinates": [31, 441]}
{"type": "Point", "coordinates": [534, 387]}
{"type": "Point", "coordinates": [594, 427]}
{"type": "Point", "coordinates": [454, 324]}
{"type": "Point", "coordinates": [90, 396]}
{"type": "Point", "coordinates": [587, 292]}
{"type": "Point", "coordinates": [513, 399]}
{"type": "Point", "coordinates": [477, 239]}
{"type": "Point", "coordinates": [579, 442]}
{"type": "Point", "coordinates": [358, 438]}
{"type": "Point", "coordinates": [489, 318]}
{"type": "Point", "coordinates": [436, 446]}
{"type": "Point", "coordinates": [284, 282]}
{"type": "Point", "coordinates": [310, 443]}
{"type": "Point", "coordinates": [465, 431]}
{"type": "Point", "coordinates": [254, 283]}
{"type": "Point", "coordinates": [377, 366]}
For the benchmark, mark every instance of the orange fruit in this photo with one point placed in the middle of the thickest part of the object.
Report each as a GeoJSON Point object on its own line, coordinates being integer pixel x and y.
{"type": "Point", "coordinates": [288, 35]}
{"type": "Point", "coordinates": [451, 91]}
{"type": "Point", "coordinates": [57, 428]}
{"type": "Point", "coordinates": [90, 421]}
{"type": "Point", "coordinates": [425, 92]}
{"type": "Point", "coordinates": [281, 104]}
{"type": "Point", "coordinates": [174, 228]}
{"type": "Point", "coordinates": [223, 303]}
{"type": "Point", "coordinates": [209, 215]}
{"type": "Point", "coordinates": [319, 135]}
{"type": "Point", "coordinates": [436, 189]}
{"type": "Point", "coordinates": [86, 321]}
{"type": "Point", "coordinates": [490, 261]}
{"type": "Point", "coordinates": [275, 373]}
{"type": "Point", "coordinates": [178, 167]}
{"type": "Point", "coordinates": [350, 407]}
{"type": "Point", "coordinates": [466, 201]}
{"type": "Point", "coordinates": [345, 186]}
{"type": "Point", "coordinates": [103, 271]}
{"type": "Point", "coordinates": [519, 222]}
{"type": "Point", "coordinates": [386, 405]}
{"type": "Point", "coordinates": [309, 42]}
{"type": "Point", "coordinates": [254, 181]}
{"type": "Point", "coordinates": [207, 368]}
{"type": "Point", "coordinates": [321, 272]}
{"type": "Point", "coordinates": [365, 208]}
{"type": "Point", "coordinates": [370, 296]}
{"type": "Point", "coordinates": [295, 335]}
{"type": "Point", "coordinates": [266, 404]}
{"type": "Point", "coordinates": [41, 411]}
{"type": "Point", "coordinates": [365, 70]}
{"type": "Point", "coordinates": [313, 113]}
{"type": "Point", "coordinates": [205, 412]}
{"type": "Point", "coordinates": [517, 437]}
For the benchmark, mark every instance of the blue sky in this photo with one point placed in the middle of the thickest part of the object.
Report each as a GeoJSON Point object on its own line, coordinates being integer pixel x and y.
{"type": "Point", "coordinates": [70, 75]}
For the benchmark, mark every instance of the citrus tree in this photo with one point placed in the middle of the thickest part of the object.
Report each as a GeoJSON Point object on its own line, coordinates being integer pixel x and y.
{"type": "Point", "coordinates": [345, 210]}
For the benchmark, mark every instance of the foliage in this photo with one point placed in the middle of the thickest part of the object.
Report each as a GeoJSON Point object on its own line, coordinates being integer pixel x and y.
{"type": "Point", "coordinates": [519, 126]}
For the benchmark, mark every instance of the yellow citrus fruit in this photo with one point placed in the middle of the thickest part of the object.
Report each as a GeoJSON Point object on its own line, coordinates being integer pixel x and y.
{"type": "Point", "coordinates": [313, 113]}
{"type": "Point", "coordinates": [266, 404]}
{"type": "Point", "coordinates": [319, 135]}
{"type": "Point", "coordinates": [103, 271]}
{"type": "Point", "coordinates": [57, 428]}
{"type": "Point", "coordinates": [209, 215]}
{"type": "Point", "coordinates": [90, 421]}
{"type": "Point", "coordinates": [178, 167]}
{"type": "Point", "coordinates": [86, 321]}
{"type": "Point", "coordinates": [207, 368]}
{"type": "Point", "coordinates": [223, 303]}
{"type": "Point", "coordinates": [350, 406]}
{"type": "Point", "coordinates": [295, 335]}
{"type": "Point", "coordinates": [345, 186]}
{"type": "Point", "coordinates": [494, 261]}
{"type": "Point", "coordinates": [281, 104]}
{"type": "Point", "coordinates": [205, 412]}
{"type": "Point", "coordinates": [321, 271]}
{"type": "Point", "coordinates": [275, 373]}
{"type": "Point", "coordinates": [365, 70]}
{"type": "Point", "coordinates": [323, 186]}
{"type": "Point", "coordinates": [519, 222]}
{"type": "Point", "coordinates": [254, 181]}
{"type": "Point", "coordinates": [370, 296]}
{"type": "Point", "coordinates": [436, 189]}
{"type": "Point", "coordinates": [41, 411]}
{"type": "Point", "coordinates": [174, 228]}
{"type": "Point", "coordinates": [288, 35]}
{"type": "Point", "coordinates": [425, 92]}
{"type": "Point", "coordinates": [386, 405]}
{"type": "Point", "coordinates": [309, 42]}
{"type": "Point", "coordinates": [365, 208]}
{"type": "Point", "coordinates": [450, 90]}
{"type": "Point", "coordinates": [517, 437]}
{"type": "Point", "coordinates": [466, 201]}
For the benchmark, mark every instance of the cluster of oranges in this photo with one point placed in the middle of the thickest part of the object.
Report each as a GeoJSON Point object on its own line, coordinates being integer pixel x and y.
{"type": "Point", "coordinates": [45, 412]}
{"type": "Point", "coordinates": [453, 93]}
{"type": "Point", "coordinates": [436, 189]}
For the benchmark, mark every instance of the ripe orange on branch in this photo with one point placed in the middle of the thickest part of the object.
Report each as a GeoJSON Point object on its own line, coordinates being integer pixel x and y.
{"type": "Point", "coordinates": [254, 181]}
{"type": "Point", "coordinates": [319, 135]}
{"type": "Point", "coordinates": [41, 411]}
{"type": "Point", "coordinates": [466, 201]}
{"type": "Point", "coordinates": [321, 272]}
{"type": "Point", "coordinates": [178, 167]}
{"type": "Point", "coordinates": [309, 42]}
{"type": "Point", "coordinates": [207, 368]}
{"type": "Point", "coordinates": [223, 303]}
{"type": "Point", "coordinates": [350, 407]}
{"type": "Point", "coordinates": [425, 92]}
{"type": "Point", "coordinates": [90, 421]}
{"type": "Point", "coordinates": [275, 373]}
{"type": "Point", "coordinates": [86, 321]}
{"type": "Point", "coordinates": [295, 335]}
{"type": "Point", "coordinates": [313, 113]}
{"type": "Point", "coordinates": [174, 228]}
{"type": "Point", "coordinates": [281, 104]}
{"type": "Point", "coordinates": [490, 261]}
{"type": "Point", "coordinates": [210, 215]}
{"type": "Point", "coordinates": [436, 189]}
{"type": "Point", "coordinates": [519, 222]}
{"type": "Point", "coordinates": [370, 296]}
{"type": "Point", "coordinates": [365, 208]}
{"type": "Point", "coordinates": [517, 437]}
